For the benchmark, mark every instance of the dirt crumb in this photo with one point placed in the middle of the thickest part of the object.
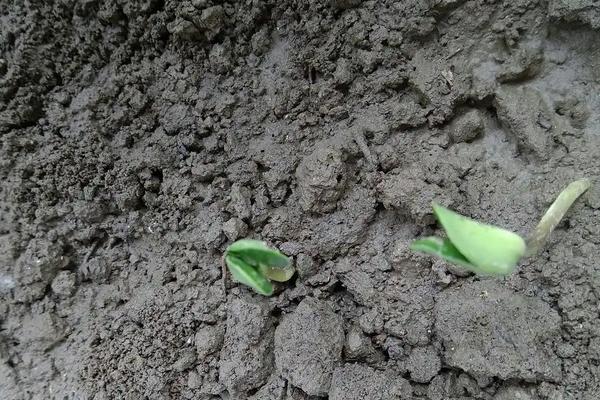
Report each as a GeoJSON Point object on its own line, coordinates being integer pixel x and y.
{"type": "Point", "coordinates": [355, 382]}
{"type": "Point", "coordinates": [307, 358]}
{"type": "Point", "coordinates": [247, 356]}
{"type": "Point", "coordinates": [475, 320]}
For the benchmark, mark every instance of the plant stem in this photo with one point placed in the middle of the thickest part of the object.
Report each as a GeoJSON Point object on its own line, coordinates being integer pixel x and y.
{"type": "Point", "coordinates": [555, 214]}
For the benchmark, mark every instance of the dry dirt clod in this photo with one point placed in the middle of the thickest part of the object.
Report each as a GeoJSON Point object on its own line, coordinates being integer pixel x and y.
{"type": "Point", "coordinates": [307, 357]}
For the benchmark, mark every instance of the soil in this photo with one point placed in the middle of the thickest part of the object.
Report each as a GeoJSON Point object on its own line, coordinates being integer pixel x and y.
{"type": "Point", "coordinates": [140, 138]}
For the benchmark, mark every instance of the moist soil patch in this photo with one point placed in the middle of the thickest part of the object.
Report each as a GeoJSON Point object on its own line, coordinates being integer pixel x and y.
{"type": "Point", "coordinates": [139, 138]}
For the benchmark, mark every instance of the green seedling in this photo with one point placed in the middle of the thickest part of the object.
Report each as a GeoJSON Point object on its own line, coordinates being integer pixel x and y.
{"type": "Point", "coordinates": [253, 263]}
{"type": "Point", "coordinates": [490, 250]}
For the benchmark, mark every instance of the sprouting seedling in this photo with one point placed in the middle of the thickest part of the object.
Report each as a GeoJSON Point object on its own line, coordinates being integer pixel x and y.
{"type": "Point", "coordinates": [255, 264]}
{"type": "Point", "coordinates": [490, 250]}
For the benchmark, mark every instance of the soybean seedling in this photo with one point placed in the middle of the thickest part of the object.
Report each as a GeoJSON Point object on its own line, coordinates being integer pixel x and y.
{"type": "Point", "coordinates": [253, 263]}
{"type": "Point", "coordinates": [490, 250]}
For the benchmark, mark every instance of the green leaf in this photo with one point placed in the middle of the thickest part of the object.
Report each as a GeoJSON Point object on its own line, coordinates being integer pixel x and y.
{"type": "Point", "coordinates": [490, 249]}
{"type": "Point", "coordinates": [442, 248]}
{"type": "Point", "coordinates": [255, 252]}
{"type": "Point", "coordinates": [248, 275]}
{"type": "Point", "coordinates": [277, 274]}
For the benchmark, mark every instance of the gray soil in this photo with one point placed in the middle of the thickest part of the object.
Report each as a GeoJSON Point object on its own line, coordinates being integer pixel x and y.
{"type": "Point", "coordinates": [140, 138]}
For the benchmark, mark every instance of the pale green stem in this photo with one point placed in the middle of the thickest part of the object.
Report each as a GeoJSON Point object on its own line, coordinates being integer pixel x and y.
{"type": "Point", "coordinates": [555, 213]}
